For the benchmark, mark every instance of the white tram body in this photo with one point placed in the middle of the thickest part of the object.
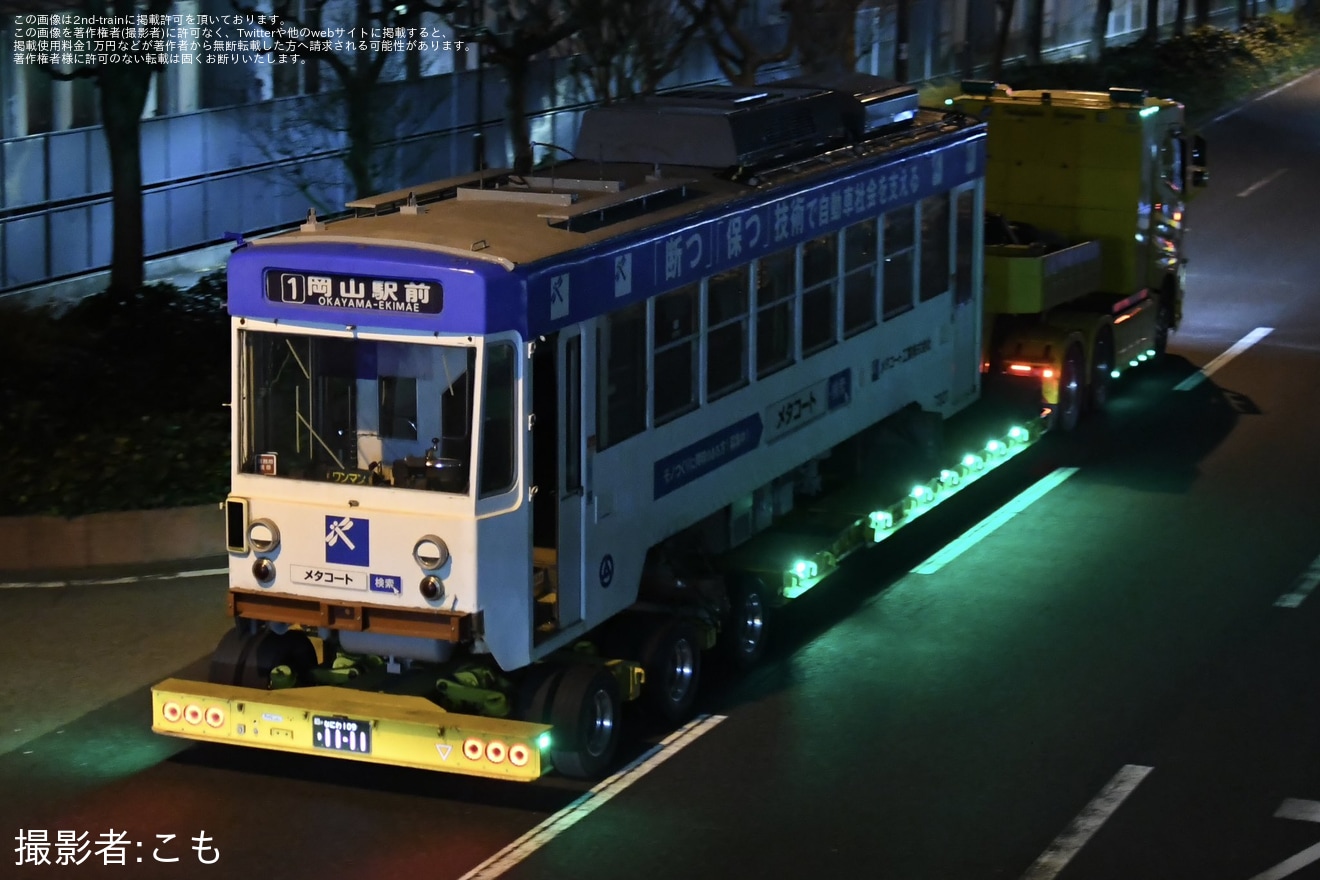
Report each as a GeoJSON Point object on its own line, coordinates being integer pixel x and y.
{"type": "Point", "coordinates": [493, 389]}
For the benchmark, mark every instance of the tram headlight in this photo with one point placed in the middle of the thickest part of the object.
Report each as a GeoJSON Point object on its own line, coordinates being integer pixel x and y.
{"type": "Point", "coordinates": [431, 553]}
{"type": "Point", "coordinates": [263, 570]}
{"type": "Point", "coordinates": [263, 535]}
{"type": "Point", "coordinates": [432, 588]}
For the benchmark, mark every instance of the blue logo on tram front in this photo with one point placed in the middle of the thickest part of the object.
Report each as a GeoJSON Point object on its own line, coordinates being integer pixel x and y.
{"type": "Point", "coordinates": [347, 540]}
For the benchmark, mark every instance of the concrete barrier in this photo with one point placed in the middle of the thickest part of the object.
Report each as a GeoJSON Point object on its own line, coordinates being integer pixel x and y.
{"type": "Point", "coordinates": [29, 543]}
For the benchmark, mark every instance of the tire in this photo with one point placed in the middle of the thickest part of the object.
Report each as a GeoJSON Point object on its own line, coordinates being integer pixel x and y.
{"type": "Point", "coordinates": [1163, 322]}
{"type": "Point", "coordinates": [1072, 389]}
{"type": "Point", "coordinates": [672, 660]}
{"type": "Point", "coordinates": [1102, 364]}
{"type": "Point", "coordinates": [246, 659]}
{"type": "Point", "coordinates": [743, 639]}
{"type": "Point", "coordinates": [536, 692]}
{"type": "Point", "coordinates": [585, 711]}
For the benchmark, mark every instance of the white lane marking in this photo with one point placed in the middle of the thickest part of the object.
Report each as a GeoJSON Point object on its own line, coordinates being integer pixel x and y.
{"type": "Point", "coordinates": [1305, 811]}
{"type": "Point", "coordinates": [1269, 94]}
{"type": "Point", "coordinates": [1088, 822]}
{"type": "Point", "coordinates": [1291, 865]}
{"type": "Point", "coordinates": [1305, 584]}
{"type": "Point", "coordinates": [993, 521]}
{"type": "Point", "coordinates": [1262, 182]}
{"type": "Point", "coordinates": [1236, 349]}
{"type": "Point", "coordinates": [102, 582]}
{"type": "Point", "coordinates": [582, 807]}
{"type": "Point", "coordinates": [1296, 808]}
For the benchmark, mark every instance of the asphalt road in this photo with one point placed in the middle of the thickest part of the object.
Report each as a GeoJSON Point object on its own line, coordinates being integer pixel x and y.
{"type": "Point", "coordinates": [1121, 681]}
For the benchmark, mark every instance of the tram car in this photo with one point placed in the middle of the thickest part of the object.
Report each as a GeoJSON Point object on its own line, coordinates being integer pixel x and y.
{"type": "Point", "coordinates": [486, 421]}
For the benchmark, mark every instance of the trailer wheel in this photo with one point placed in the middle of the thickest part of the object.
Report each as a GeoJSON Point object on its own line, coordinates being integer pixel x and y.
{"type": "Point", "coordinates": [536, 692]}
{"type": "Point", "coordinates": [1068, 411]}
{"type": "Point", "coordinates": [1102, 365]}
{"type": "Point", "coordinates": [1163, 322]}
{"type": "Point", "coordinates": [672, 660]}
{"type": "Point", "coordinates": [585, 711]}
{"type": "Point", "coordinates": [246, 658]}
{"type": "Point", "coordinates": [749, 614]}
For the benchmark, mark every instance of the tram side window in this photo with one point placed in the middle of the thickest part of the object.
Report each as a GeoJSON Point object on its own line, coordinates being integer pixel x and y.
{"type": "Point", "coordinates": [621, 368]}
{"type": "Point", "coordinates": [966, 247]}
{"type": "Point", "coordinates": [899, 244]}
{"type": "Point", "coordinates": [820, 270]}
{"type": "Point", "coordinates": [774, 311]}
{"type": "Point", "coordinates": [497, 421]}
{"type": "Point", "coordinates": [934, 246]}
{"type": "Point", "coordinates": [859, 260]}
{"type": "Point", "coordinates": [726, 338]}
{"type": "Point", "coordinates": [675, 365]}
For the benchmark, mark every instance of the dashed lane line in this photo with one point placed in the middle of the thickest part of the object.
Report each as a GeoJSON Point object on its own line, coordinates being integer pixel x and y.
{"type": "Point", "coordinates": [102, 582]}
{"type": "Point", "coordinates": [1059, 853]}
{"type": "Point", "coordinates": [1234, 350]}
{"type": "Point", "coordinates": [575, 812]}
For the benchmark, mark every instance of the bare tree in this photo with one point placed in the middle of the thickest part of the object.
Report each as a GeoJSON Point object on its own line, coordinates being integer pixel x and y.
{"type": "Point", "coordinates": [513, 34]}
{"type": "Point", "coordinates": [626, 48]}
{"type": "Point", "coordinates": [1035, 30]}
{"type": "Point", "coordinates": [824, 33]}
{"type": "Point", "coordinates": [1202, 13]}
{"type": "Point", "coordinates": [1001, 39]}
{"type": "Point", "coordinates": [1100, 28]}
{"type": "Point", "coordinates": [1180, 18]}
{"type": "Point", "coordinates": [358, 72]}
{"type": "Point", "coordinates": [737, 53]}
{"type": "Point", "coordinates": [1152, 33]}
{"type": "Point", "coordinates": [121, 95]}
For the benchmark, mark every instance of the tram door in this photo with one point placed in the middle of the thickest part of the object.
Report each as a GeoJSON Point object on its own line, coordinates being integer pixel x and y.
{"type": "Point", "coordinates": [572, 500]}
{"type": "Point", "coordinates": [967, 243]}
{"type": "Point", "coordinates": [557, 506]}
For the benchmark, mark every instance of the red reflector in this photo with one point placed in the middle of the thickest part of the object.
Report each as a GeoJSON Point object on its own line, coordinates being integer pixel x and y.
{"type": "Point", "coordinates": [495, 751]}
{"type": "Point", "coordinates": [473, 748]}
{"type": "Point", "coordinates": [519, 755]}
{"type": "Point", "coordinates": [171, 711]}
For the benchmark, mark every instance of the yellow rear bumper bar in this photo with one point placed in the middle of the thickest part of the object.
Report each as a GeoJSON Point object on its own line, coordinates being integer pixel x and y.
{"type": "Point", "coordinates": [339, 722]}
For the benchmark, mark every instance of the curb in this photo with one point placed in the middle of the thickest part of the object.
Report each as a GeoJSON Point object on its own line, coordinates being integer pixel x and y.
{"type": "Point", "coordinates": [98, 540]}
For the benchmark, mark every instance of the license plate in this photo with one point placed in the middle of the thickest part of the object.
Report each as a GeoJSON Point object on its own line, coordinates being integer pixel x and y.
{"type": "Point", "coordinates": [339, 734]}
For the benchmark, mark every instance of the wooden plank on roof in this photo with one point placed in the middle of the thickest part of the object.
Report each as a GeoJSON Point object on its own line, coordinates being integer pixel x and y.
{"type": "Point", "coordinates": [628, 196]}
{"type": "Point", "coordinates": [425, 191]}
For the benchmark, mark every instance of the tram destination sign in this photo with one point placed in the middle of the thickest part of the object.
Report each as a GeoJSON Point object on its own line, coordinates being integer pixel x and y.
{"type": "Point", "coordinates": [330, 290]}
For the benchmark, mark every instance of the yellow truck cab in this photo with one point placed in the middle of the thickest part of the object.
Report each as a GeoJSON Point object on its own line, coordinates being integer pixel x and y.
{"type": "Point", "coordinates": [1084, 265]}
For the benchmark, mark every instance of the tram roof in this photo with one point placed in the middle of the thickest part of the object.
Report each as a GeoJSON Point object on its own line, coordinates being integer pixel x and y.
{"type": "Point", "coordinates": [514, 220]}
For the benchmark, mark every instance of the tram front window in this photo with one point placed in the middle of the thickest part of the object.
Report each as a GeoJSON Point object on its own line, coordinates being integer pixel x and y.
{"type": "Point", "coordinates": [357, 411]}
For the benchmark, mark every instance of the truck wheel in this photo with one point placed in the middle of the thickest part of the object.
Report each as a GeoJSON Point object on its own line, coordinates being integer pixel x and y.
{"type": "Point", "coordinates": [246, 659]}
{"type": "Point", "coordinates": [1163, 322]}
{"type": "Point", "coordinates": [1102, 364]}
{"type": "Point", "coordinates": [743, 640]}
{"type": "Point", "coordinates": [1068, 411]}
{"type": "Point", "coordinates": [585, 711]}
{"type": "Point", "coordinates": [672, 660]}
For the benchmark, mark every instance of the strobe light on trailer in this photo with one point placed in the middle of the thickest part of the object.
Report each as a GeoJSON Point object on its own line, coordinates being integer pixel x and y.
{"type": "Point", "coordinates": [805, 573]}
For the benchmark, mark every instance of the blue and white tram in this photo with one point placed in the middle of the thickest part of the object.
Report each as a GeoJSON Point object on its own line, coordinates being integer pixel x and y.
{"type": "Point", "coordinates": [465, 416]}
